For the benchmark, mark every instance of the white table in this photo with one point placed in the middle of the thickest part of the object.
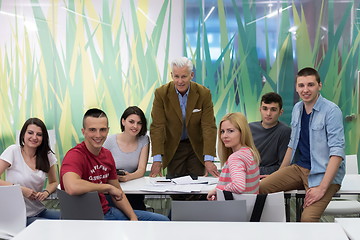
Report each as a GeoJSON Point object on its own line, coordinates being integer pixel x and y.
{"type": "Point", "coordinates": [350, 185]}
{"type": "Point", "coordinates": [351, 227]}
{"type": "Point", "coordinates": [76, 229]}
{"type": "Point", "coordinates": [136, 186]}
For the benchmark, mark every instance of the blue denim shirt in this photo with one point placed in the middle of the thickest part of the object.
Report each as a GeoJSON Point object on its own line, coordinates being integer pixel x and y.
{"type": "Point", "coordinates": [326, 132]}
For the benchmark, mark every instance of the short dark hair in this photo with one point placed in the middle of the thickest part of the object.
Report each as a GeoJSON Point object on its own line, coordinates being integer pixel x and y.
{"type": "Point", "coordinates": [272, 97]}
{"type": "Point", "coordinates": [137, 111]}
{"type": "Point", "coordinates": [94, 112]}
{"type": "Point", "coordinates": [42, 160]}
{"type": "Point", "coordinates": [308, 71]}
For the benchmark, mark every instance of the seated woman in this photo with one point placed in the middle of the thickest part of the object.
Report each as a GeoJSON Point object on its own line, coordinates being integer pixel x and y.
{"type": "Point", "coordinates": [130, 150]}
{"type": "Point", "coordinates": [238, 156]}
{"type": "Point", "coordinates": [28, 165]}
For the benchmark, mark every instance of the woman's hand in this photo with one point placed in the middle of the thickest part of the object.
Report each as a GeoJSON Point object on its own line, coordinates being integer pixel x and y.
{"type": "Point", "coordinates": [124, 178]}
{"type": "Point", "coordinates": [28, 193]}
{"type": "Point", "coordinates": [212, 195]}
{"type": "Point", "coordinates": [41, 196]}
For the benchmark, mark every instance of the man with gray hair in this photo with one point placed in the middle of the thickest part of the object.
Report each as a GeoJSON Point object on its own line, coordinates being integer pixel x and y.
{"type": "Point", "coordinates": [183, 129]}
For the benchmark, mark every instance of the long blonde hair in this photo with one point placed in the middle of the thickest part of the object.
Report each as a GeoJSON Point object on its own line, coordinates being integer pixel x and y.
{"type": "Point", "coordinates": [239, 121]}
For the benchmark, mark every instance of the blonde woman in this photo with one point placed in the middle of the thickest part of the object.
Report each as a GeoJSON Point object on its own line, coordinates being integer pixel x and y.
{"type": "Point", "coordinates": [238, 156]}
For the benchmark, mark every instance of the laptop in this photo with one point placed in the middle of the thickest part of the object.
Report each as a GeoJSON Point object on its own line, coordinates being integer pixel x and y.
{"type": "Point", "coordinates": [227, 211]}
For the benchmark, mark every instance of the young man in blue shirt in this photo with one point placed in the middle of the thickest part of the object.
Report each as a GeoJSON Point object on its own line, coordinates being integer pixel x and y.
{"type": "Point", "coordinates": [315, 151]}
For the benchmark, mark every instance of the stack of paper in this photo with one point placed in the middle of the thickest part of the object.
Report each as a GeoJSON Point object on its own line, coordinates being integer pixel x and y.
{"type": "Point", "coordinates": [188, 180]}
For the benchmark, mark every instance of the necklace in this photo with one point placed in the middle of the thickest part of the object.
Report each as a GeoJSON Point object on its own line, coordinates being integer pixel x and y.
{"type": "Point", "coordinates": [30, 161]}
{"type": "Point", "coordinates": [27, 155]}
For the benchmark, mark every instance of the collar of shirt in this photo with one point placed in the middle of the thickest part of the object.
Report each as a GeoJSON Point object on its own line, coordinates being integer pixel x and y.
{"type": "Point", "coordinates": [179, 94]}
{"type": "Point", "coordinates": [318, 103]}
{"type": "Point", "coordinates": [183, 101]}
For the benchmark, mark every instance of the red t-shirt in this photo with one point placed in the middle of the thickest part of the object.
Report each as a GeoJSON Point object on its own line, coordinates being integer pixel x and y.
{"type": "Point", "coordinates": [95, 169]}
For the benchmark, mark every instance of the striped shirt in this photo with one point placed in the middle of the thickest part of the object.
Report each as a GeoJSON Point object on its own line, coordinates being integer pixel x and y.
{"type": "Point", "coordinates": [240, 173]}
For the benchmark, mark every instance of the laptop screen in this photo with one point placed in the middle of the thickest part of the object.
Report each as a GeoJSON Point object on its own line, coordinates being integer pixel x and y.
{"type": "Point", "coordinates": [228, 211]}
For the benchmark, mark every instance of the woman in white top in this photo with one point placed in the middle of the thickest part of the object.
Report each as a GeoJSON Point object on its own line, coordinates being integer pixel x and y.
{"type": "Point", "coordinates": [130, 150]}
{"type": "Point", "coordinates": [28, 165]}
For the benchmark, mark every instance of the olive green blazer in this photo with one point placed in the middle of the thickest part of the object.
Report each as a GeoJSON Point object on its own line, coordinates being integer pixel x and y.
{"type": "Point", "coordinates": [166, 126]}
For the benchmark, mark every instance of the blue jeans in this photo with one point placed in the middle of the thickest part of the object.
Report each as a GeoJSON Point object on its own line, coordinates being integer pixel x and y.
{"type": "Point", "coordinates": [136, 201]}
{"type": "Point", "coordinates": [45, 214]}
{"type": "Point", "coordinates": [116, 214]}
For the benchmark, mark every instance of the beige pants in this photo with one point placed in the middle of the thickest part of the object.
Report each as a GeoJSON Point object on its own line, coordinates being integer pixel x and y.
{"type": "Point", "coordinates": [295, 177]}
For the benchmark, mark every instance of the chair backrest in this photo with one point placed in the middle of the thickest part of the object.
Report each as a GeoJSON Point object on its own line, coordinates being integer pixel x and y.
{"type": "Point", "coordinates": [351, 163]}
{"type": "Point", "coordinates": [229, 211]}
{"type": "Point", "coordinates": [80, 207]}
{"type": "Point", "coordinates": [12, 211]}
{"type": "Point", "coordinates": [274, 208]}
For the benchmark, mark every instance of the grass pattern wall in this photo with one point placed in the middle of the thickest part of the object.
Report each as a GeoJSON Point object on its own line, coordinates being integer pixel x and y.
{"type": "Point", "coordinates": [107, 58]}
{"type": "Point", "coordinates": [236, 77]}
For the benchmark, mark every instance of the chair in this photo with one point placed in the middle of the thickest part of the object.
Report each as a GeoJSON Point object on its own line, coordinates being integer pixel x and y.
{"type": "Point", "coordinates": [228, 211]}
{"type": "Point", "coordinates": [274, 207]}
{"type": "Point", "coordinates": [345, 204]}
{"type": "Point", "coordinates": [12, 211]}
{"type": "Point", "coordinates": [80, 207]}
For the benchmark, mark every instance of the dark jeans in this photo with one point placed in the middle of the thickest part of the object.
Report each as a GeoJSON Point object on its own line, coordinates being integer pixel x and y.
{"type": "Point", "coordinates": [185, 162]}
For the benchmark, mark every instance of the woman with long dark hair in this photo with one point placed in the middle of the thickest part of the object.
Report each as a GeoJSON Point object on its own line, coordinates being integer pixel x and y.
{"type": "Point", "coordinates": [130, 150]}
{"type": "Point", "coordinates": [29, 164]}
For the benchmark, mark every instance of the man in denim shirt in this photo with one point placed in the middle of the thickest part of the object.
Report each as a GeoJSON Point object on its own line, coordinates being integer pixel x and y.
{"type": "Point", "coordinates": [315, 150]}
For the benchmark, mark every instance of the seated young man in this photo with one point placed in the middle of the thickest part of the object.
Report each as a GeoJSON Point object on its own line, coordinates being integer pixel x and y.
{"type": "Point", "coordinates": [315, 156]}
{"type": "Point", "coordinates": [89, 167]}
{"type": "Point", "coordinates": [271, 136]}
